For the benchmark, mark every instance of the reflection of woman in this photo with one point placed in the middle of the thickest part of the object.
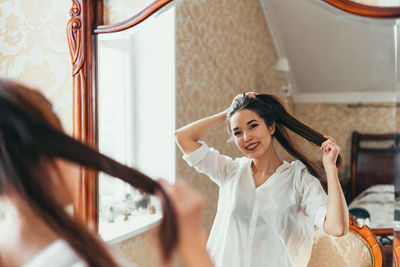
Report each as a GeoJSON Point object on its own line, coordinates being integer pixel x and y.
{"type": "Point", "coordinates": [266, 208]}
{"type": "Point", "coordinates": [38, 172]}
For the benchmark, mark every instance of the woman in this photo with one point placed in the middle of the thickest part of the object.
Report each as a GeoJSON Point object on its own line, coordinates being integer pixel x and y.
{"type": "Point", "coordinates": [267, 207]}
{"type": "Point", "coordinates": [39, 165]}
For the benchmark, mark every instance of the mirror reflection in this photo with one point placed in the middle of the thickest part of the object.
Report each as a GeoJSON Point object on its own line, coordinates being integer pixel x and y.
{"type": "Point", "coordinates": [335, 72]}
{"type": "Point", "coordinates": [136, 92]}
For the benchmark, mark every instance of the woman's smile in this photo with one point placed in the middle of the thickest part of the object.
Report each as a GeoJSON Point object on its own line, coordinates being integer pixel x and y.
{"type": "Point", "coordinates": [252, 146]}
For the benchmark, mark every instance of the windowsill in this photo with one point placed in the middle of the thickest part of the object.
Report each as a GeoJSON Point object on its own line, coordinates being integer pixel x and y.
{"type": "Point", "coordinates": [121, 230]}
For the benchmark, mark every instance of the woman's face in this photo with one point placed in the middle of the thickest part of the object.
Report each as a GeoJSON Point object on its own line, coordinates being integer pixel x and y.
{"type": "Point", "coordinates": [252, 136]}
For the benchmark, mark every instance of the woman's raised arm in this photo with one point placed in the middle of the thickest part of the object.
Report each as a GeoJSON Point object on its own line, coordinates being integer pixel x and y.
{"type": "Point", "coordinates": [187, 136]}
{"type": "Point", "coordinates": [337, 218]}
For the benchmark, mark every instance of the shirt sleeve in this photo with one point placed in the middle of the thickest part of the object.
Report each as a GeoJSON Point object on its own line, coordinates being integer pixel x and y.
{"type": "Point", "coordinates": [313, 199]}
{"type": "Point", "coordinates": [210, 162]}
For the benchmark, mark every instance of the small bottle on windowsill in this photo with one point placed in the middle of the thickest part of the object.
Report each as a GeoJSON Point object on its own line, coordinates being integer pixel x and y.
{"type": "Point", "coordinates": [110, 215]}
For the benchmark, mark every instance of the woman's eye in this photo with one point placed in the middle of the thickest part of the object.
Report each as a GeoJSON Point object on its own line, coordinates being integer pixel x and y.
{"type": "Point", "coordinates": [254, 125]}
{"type": "Point", "coordinates": [236, 133]}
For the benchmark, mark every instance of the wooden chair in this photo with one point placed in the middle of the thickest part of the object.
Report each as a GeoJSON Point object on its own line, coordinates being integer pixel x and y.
{"type": "Point", "coordinates": [358, 247]}
{"type": "Point", "coordinates": [396, 249]}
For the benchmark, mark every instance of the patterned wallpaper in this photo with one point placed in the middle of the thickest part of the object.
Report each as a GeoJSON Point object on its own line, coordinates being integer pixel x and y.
{"type": "Point", "coordinates": [119, 10]}
{"type": "Point", "coordinates": [340, 120]}
{"type": "Point", "coordinates": [34, 49]}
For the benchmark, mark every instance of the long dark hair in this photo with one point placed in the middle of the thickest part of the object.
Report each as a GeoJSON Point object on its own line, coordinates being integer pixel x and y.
{"type": "Point", "coordinates": [272, 111]}
{"type": "Point", "coordinates": [31, 138]}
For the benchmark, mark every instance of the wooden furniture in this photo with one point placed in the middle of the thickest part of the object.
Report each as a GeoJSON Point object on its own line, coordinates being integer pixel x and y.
{"type": "Point", "coordinates": [372, 165]}
{"type": "Point", "coordinates": [368, 237]}
{"type": "Point", "coordinates": [369, 165]}
{"type": "Point", "coordinates": [358, 247]}
{"type": "Point", "coordinates": [396, 249]}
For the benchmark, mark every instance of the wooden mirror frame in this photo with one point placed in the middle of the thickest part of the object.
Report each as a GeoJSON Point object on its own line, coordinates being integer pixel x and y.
{"type": "Point", "coordinates": [86, 21]}
{"type": "Point", "coordinates": [364, 10]}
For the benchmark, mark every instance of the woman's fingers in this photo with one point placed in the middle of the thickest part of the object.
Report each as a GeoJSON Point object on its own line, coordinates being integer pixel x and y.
{"type": "Point", "coordinates": [249, 94]}
{"type": "Point", "coordinates": [325, 145]}
{"type": "Point", "coordinates": [329, 145]}
{"type": "Point", "coordinates": [330, 138]}
{"type": "Point", "coordinates": [186, 200]}
{"type": "Point", "coordinates": [166, 186]}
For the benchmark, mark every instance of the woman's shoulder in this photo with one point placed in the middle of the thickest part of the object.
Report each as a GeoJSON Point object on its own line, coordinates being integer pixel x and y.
{"type": "Point", "coordinates": [300, 173]}
{"type": "Point", "coordinates": [57, 254]}
{"type": "Point", "coordinates": [297, 164]}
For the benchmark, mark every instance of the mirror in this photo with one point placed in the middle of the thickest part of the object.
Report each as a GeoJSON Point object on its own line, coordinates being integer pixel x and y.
{"type": "Point", "coordinates": [222, 49]}
{"type": "Point", "coordinates": [136, 98]}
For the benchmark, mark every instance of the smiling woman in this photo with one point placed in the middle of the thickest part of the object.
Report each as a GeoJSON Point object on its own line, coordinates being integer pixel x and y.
{"type": "Point", "coordinates": [266, 208]}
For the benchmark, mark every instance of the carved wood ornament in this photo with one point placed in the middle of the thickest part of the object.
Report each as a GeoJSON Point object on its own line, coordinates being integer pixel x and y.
{"type": "Point", "coordinates": [79, 29]}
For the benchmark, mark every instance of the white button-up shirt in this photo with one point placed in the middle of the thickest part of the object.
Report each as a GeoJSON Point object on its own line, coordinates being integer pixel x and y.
{"type": "Point", "coordinates": [56, 254]}
{"type": "Point", "coordinates": [271, 225]}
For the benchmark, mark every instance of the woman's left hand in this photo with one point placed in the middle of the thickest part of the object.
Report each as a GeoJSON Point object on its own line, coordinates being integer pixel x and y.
{"type": "Point", "coordinates": [331, 152]}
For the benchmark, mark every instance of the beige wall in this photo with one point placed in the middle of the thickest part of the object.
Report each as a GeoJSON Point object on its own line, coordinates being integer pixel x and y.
{"type": "Point", "coordinates": [340, 120]}
{"type": "Point", "coordinates": [34, 49]}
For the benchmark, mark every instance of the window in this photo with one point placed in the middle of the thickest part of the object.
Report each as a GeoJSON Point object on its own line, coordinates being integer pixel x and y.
{"type": "Point", "coordinates": [136, 96]}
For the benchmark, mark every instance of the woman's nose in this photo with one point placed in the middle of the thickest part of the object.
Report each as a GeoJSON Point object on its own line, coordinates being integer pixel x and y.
{"type": "Point", "coordinates": [246, 137]}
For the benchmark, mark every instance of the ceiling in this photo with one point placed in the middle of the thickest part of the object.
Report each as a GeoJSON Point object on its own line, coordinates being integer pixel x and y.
{"type": "Point", "coordinates": [334, 56]}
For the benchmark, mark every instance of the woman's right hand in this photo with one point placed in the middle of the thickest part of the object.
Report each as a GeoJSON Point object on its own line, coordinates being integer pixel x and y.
{"type": "Point", "coordinates": [239, 96]}
{"type": "Point", "coordinates": [192, 237]}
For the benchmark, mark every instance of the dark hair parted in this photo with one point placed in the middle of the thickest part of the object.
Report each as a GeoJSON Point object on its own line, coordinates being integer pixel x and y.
{"type": "Point", "coordinates": [31, 138]}
{"type": "Point", "coordinates": [272, 111]}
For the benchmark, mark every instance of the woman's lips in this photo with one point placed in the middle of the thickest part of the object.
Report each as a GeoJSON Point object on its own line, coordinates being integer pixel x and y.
{"type": "Point", "coordinates": [252, 146]}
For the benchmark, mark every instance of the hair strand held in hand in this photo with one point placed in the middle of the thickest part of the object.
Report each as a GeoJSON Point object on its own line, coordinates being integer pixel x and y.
{"type": "Point", "coordinates": [31, 138]}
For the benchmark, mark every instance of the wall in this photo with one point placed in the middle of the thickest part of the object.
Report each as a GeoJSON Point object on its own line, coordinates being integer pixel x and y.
{"type": "Point", "coordinates": [34, 49]}
{"type": "Point", "coordinates": [340, 120]}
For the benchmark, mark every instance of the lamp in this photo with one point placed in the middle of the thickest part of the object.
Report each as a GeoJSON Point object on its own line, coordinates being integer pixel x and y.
{"type": "Point", "coordinates": [282, 64]}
